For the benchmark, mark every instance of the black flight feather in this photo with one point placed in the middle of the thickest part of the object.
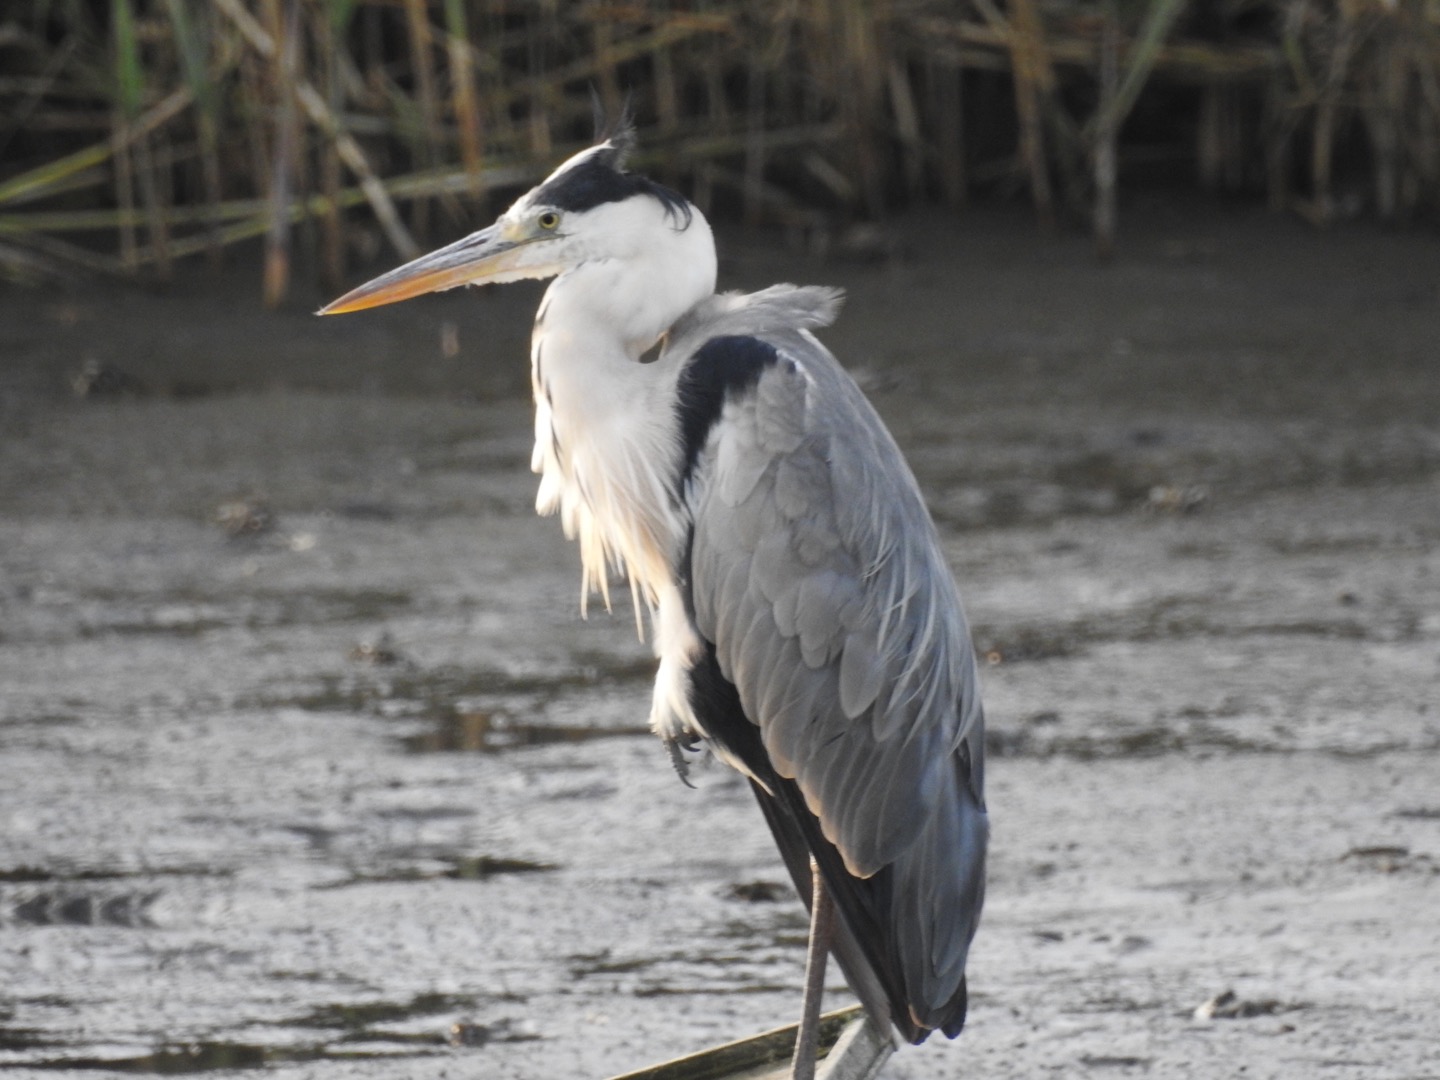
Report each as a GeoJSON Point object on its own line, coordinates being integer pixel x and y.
{"type": "Point", "coordinates": [864, 948]}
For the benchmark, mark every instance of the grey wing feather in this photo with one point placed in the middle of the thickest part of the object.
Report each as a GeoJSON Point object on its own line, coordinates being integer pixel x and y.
{"type": "Point", "coordinates": [817, 575]}
{"type": "Point", "coordinates": [808, 527]}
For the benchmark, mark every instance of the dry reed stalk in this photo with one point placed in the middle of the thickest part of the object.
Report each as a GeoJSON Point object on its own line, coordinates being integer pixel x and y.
{"type": "Point", "coordinates": [253, 110]}
{"type": "Point", "coordinates": [62, 252]}
{"type": "Point", "coordinates": [862, 37]}
{"type": "Point", "coordinates": [1034, 80]}
{"type": "Point", "coordinates": [127, 103]}
{"type": "Point", "coordinates": [1119, 97]}
{"type": "Point", "coordinates": [139, 160]}
{"type": "Point", "coordinates": [284, 19]}
{"type": "Point", "coordinates": [462, 94]}
{"type": "Point", "coordinates": [111, 218]}
{"type": "Point", "coordinates": [125, 194]}
{"type": "Point", "coordinates": [429, 137]}
{"type": "Point", "coordinates": [321, 116]}
{"type": "Point", "coordinates": [1143, 54]}
{"type": "Point", "coordinates": [1107, 131]}
{"type": "Point", "coordinates": [152, 194]}
{"type": "Point", "coordinates": [72, 183]}
{"type": "Point", "coordinates": [251, 218]}
{"type": "Point", "coordinates": [831, 178]}
{"type": "Point", "coordinates": [984, 44]}
{"type": "Point", "coordinates": [1327, 108]}
{"type": "Point", "coordinates": [703, 144]}
{"type": "Point", "coordinates": [1389, 72]}
{"type": "Point", "coordinates": [193, 48]}
{"type": "Point", "coordinates": [49, 178]}
{"type": "Point", "coordinates": [549, 83]}
{"type": "Point", "coordinates": [370, 59]}
{"type": "Point", "coordinates": [253, 214]}
{"type": "Point", "coordinates": [45, 83]}
{"type": "Point", "coordinates": [332, 226]}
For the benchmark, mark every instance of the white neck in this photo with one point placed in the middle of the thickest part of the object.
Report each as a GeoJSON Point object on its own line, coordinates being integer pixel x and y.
{"type": "Point", "coordinates": [605, 437]}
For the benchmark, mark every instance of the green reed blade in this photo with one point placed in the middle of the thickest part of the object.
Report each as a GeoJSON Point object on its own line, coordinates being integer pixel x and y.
{"type": "Point", "coordinates": [340, 12]}
{"type": "Point", "coordinates": [193, 47]}
{"type": "Point", "coordinates": [129, 71]}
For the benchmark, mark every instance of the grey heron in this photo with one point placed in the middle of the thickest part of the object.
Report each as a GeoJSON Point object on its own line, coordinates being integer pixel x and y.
{"type": "Point", "coordinates": [807, 628]}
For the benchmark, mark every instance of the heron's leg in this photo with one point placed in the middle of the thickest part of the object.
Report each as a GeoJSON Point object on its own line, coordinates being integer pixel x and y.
{"type": "Point", "coordinates": [822, 927]}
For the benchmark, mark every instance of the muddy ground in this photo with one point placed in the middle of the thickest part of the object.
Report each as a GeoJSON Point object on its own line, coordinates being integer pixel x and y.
{"type": "Point", "coordinates": [356, 782]}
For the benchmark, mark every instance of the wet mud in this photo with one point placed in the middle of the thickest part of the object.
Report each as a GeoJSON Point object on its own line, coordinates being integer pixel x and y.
{"type": "Point", "coordinates": [309, 763]}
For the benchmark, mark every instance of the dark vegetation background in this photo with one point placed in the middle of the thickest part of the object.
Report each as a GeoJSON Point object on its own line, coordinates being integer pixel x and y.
{"type": "Point", "coordinates": [138, 134]}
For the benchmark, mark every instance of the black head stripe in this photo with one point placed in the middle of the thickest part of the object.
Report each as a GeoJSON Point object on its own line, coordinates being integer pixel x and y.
{"type": "Point", "coordinates": [595, 181]}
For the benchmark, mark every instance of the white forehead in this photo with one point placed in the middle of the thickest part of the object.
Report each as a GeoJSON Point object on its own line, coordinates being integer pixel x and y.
{"type": "Point", "coordinates": [590, 153]}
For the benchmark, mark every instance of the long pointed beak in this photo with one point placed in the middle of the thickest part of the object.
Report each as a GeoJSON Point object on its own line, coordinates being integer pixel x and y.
{"type": "Point", "coordinates": [483, 256]}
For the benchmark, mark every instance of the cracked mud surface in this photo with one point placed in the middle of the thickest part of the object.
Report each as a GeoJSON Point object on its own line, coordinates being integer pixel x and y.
{"type": "Point", "coordinates": [308, 761]}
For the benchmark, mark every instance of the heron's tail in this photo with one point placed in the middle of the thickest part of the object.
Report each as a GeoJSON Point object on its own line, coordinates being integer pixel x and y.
{"type": "Point", "coordinates": [931, 903]}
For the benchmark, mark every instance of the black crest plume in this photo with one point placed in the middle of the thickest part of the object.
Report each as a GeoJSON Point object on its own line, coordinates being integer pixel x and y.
{"type": "Point", "coordinates": [617, 131]}
{"type": "Point", "coordinates": [598, 175]}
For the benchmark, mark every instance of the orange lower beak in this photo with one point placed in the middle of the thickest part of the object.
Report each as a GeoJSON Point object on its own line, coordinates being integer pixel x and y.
{"type": "Point", "coordinates": [478, 258]}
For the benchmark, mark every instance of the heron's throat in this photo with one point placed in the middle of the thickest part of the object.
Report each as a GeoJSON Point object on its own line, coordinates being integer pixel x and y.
{"type": "Point", "coordinates": [603, 447]}
{"type": "Point", "coordinates": [630, 298]}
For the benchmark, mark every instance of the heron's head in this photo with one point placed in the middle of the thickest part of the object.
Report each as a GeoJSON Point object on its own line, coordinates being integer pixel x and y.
{"type": "Point", "coordinates": [589, 217]}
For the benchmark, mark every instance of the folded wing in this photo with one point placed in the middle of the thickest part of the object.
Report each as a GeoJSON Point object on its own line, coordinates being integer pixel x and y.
{"type": "Point", "coordinates": [816, 579]}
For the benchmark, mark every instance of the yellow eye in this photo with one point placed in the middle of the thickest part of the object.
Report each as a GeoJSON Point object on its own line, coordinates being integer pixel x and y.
{"type": "Point", "coordinates": [548, 220]}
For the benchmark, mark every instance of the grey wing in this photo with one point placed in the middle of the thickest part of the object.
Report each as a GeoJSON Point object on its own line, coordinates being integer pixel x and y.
{"type": "Point", "coordinates": [816, 574]}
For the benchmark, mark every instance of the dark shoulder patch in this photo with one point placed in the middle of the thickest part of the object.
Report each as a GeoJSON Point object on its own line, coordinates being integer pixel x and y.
{"type": "Point", "coordinates": [721, 367]}
{"type": "Point", "coordinates": [594, 182]}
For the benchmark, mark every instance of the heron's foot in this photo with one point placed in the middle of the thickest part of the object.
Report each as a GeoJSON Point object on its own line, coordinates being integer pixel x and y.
{"type": "Point", "coordinates": [678, 746]}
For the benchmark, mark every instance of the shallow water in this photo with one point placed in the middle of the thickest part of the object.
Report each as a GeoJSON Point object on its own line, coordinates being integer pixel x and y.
{"type": "Point", "coordinates": [356, 792]}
